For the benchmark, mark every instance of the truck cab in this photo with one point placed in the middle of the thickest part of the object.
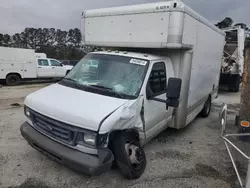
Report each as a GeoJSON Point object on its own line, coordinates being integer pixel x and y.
{"type": "Point", "coordinates": [50, 68]}
{"type": "Point", "coordinates": [115, 96]}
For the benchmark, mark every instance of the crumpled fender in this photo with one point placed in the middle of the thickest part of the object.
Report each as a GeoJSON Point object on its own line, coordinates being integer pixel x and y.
{"type": "Point", "coordinates": [127, 116]}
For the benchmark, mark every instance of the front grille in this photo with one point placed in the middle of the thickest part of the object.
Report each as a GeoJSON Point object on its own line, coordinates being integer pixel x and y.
{"type": "Point", "coordinates": [56, 129]}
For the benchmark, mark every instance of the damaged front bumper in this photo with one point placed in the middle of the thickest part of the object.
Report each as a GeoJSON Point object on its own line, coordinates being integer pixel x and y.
{"type": "Point", "coordinates": [74, 159]}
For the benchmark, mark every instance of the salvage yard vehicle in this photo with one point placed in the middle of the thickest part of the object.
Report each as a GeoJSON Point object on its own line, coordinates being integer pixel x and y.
{"type": "Point", "coordinates": [158, 71]}
{"type": "Point", "coordinates": [18, 64]}
{"type": "Point", "coordinates": [233, 58]}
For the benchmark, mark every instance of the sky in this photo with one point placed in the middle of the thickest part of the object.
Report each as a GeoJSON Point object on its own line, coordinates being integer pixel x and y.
{"type": "Point", "coordinates": [15, 15]}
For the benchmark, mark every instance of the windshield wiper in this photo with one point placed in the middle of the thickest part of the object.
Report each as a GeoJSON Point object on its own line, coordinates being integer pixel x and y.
{"type": "Point", "coordinates": [70, 79]}
{"type": "Point", "coordinates": [120, 95]}
{"type": "Point", "coordinates": [72, 82]}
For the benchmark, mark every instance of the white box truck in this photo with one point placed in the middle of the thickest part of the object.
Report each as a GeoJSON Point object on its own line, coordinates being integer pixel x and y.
{"type": "Point", "coordinates": [161, 71]}
{"type": "Point", "coordinates": [18, 64]}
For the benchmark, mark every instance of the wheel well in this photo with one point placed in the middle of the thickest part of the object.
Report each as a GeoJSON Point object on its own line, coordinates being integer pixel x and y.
{"type": "Point", "coordinates": [114, 133]}
{"type": "Point", "coordinates": [210, 96]}
{"type": "Point", "coordinates": [14, 73]}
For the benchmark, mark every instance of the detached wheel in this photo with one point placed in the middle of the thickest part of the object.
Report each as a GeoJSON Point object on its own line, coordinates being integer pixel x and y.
{"type": "Point", "coordinates": [13, 80]}
{"type": "Point", "coordinates": [129, 155]}
{"type": "Point", "coordinates": [207, 108]}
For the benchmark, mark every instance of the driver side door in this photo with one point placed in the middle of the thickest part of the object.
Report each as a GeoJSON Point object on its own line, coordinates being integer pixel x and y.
{"type": "Point", "coordinates": [156, 114]}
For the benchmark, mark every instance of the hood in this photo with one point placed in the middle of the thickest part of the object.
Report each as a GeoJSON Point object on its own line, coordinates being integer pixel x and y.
{"type": "Point", "coordinates": [76, 107]}
{"type": "Point", "coordinates": [68, 67]}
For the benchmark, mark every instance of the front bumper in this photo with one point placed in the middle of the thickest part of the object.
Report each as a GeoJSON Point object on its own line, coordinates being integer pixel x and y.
{"type": "Point", "coordinates": [74, 159]}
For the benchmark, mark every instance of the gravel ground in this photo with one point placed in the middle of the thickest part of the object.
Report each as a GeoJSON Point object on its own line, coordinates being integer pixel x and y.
{"type": "Point", "coordinates": [192, 157]}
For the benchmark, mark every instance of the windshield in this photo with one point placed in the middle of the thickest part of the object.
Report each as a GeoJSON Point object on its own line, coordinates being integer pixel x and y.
{"type": "Point", "coordinates": [111, 75]}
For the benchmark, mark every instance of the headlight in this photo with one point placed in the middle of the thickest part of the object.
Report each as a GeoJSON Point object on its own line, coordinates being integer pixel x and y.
{"type": "Point", "coordinates": [86, 138]}
{"type": "Point", "coordinates": [26, 111]}
{"type": "Point", "coordinates": [90, 138]}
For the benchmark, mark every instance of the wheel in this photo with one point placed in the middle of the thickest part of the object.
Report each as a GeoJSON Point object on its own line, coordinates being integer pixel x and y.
{"type": "Point", "coordinates": [236, 89]}
{"type": "Point", "coordinates": [207, 108]}
{"type": "Point", "coordinates": [13, 80]}
{"type": "Point", "coordinates": [129, 155]}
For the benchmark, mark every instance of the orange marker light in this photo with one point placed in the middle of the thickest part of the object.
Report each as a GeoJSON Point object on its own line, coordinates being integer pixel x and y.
{"type": "Point", "coordinates": [245, 123]}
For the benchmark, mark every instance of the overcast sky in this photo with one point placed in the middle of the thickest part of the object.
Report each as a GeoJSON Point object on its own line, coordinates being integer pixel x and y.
{"type": "Point", "coordinates": [15, 15]}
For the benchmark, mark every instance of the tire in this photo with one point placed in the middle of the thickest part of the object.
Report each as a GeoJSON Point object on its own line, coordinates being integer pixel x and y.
{"type": "Point", "coordinates": [129, 155]}
{"type": "Point", "coordinates": [207, 108]}
{"type": "Point", "coordinates": [236, 89]}
{"type": "Point", "coordinates": [13, 80]}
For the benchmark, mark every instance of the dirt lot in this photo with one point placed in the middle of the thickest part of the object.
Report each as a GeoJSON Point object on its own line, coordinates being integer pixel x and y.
{"type": "Point", "coordinates": [191, 157]}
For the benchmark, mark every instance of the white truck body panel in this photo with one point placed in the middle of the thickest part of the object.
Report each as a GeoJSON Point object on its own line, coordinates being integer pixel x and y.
{"type": "Point", "coordinates": [21, 61]}
{"type": "Point", "coordinates": [207, 53]}
{"type": "Point", "coordinates": [41, 55]}
{"type": "Point", "coordinates": [153, 25]}
{"type": "Point", "coordinates": [241, 47]}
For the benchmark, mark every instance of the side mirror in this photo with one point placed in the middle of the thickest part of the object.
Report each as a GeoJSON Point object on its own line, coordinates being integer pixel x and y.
{"type": "Point", "coordinates": [173, 92]}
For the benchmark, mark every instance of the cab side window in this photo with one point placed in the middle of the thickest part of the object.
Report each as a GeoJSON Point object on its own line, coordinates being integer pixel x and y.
{"type": "Point", "coordinates": [55, 63]}
{"type": "Point", "coordinates": [43, 62]}
{"type": "Point", "coordinates": [157, 79]}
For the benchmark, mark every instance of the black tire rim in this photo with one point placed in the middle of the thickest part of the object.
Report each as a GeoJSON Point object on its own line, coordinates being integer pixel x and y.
{"type": "Point", "coordinates": [13, 80]}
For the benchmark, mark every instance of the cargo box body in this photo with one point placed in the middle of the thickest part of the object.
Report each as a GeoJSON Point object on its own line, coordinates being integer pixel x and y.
{"type": "Point", "coordinates": [153, 25]}
{"type": "Point", "coordinates": [18, 61]}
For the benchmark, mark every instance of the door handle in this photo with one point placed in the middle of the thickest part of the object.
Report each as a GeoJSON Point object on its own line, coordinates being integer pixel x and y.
{"type": "Point", "coordinates": [52, 67]}
{"type": "Point", "coordinates": [39, 67]}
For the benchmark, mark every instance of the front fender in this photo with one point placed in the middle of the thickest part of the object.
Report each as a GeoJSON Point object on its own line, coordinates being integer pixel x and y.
{"type": "Point", "coordinates": [128, 116]}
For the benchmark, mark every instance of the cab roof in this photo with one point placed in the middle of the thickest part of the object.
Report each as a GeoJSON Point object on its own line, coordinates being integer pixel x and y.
{"type": "Point", "coordinates": [139, 55]}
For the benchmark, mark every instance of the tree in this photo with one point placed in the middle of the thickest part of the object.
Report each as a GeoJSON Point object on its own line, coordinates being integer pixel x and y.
{"type": "Point", "coordinates": [5, 39]}
{"type": "Point", "coordinates": [75, 37]}
{"type": "Point", "coordinates": [227, 22]}
{"type": "Point", "coordinates": [55, 43]}
{"type": "Point", "coordinates": [244, 114]}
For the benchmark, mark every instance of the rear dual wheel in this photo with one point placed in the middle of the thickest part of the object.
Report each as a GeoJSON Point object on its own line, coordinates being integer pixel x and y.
{"type": "Point", "coordinates": [207, 108]}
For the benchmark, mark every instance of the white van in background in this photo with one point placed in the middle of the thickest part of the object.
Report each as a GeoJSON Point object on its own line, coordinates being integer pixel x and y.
{"type": "Point", "coordinates": [18, 64]}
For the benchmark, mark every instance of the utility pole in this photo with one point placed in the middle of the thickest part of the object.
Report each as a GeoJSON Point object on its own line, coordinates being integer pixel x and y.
{"type": "Point", "coordinates": [244, 114]}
